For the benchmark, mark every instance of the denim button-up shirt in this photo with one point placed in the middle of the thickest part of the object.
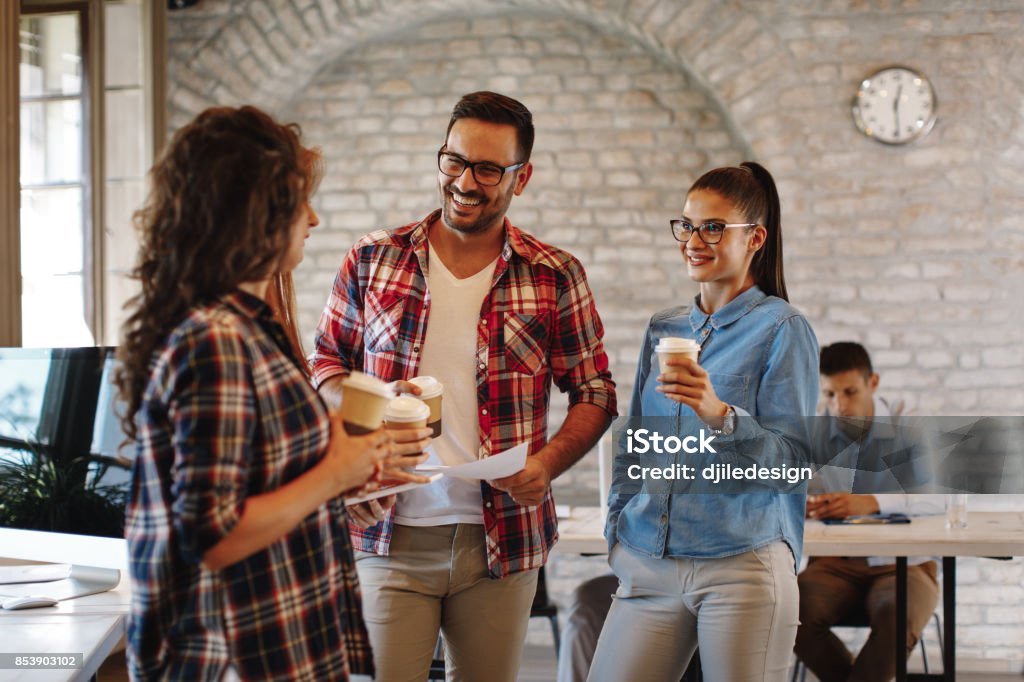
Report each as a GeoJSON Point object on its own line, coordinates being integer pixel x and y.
{"type": "Point", "coordinates": [762, 358]}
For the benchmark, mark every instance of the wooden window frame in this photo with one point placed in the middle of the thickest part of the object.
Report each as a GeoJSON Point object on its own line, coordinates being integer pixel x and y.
{"type": "Point", "coordinates": [94, 177]}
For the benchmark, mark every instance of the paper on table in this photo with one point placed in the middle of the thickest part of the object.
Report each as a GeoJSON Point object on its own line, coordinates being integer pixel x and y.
{"type": "Point", "coordinates": [503, 464]}
{"type": "Point", "coordinates": [390, 490]}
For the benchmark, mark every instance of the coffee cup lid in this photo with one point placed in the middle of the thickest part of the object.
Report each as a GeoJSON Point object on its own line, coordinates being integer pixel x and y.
{"type": "Point", "coordinates": [365, 382]}
{"type": "Point", "coordinates": [676, 344]}
{"type": "Point", "coordinates": [429, 386]}
{"type": "Point", "coordinates": [406, 408]}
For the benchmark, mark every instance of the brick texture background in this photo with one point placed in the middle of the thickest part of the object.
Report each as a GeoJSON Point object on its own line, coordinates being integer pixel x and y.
{"type": "Point", "coordinates": [915, 251]}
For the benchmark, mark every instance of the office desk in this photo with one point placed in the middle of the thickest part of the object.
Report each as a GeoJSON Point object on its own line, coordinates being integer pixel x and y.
{"type": "Point", "coordinates": [988, 534]}
{"type": "Point", "coordinates": [91, 626]}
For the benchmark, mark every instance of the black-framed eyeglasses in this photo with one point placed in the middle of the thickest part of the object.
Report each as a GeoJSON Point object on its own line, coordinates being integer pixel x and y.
{"type": "Point", "coordinates": [710, 232]}
{"type": "Point", "coordinates": [484, 172]}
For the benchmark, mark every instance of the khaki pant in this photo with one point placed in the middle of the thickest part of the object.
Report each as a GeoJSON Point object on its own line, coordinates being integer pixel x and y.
{"type": "Point", "coordinates": [435, 578]}
{"type": "Point", "coordinates": [741, 609]}
{"type": "Point", "coordinates": [837, 590]}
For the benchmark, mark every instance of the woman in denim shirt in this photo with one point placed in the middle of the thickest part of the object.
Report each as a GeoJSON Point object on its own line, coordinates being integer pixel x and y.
{"type": "Point", "coordinates": [718, 570]}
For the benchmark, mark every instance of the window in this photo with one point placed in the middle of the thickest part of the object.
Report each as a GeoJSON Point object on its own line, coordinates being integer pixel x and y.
{"type": "Point", "coordinates": [54, 181]}
{"type": "Point", "coordinates": [90, 105]}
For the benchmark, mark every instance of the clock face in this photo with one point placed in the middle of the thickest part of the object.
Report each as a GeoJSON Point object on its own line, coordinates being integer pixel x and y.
{"type": "Point", "coordinates": [895, 106]}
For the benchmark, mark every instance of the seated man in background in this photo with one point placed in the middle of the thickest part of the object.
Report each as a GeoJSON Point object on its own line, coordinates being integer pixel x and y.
{"type": "Point", "coordinates": [836, 590]}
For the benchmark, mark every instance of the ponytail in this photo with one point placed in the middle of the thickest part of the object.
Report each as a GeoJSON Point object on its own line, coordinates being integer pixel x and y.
{"type": "Point", "coordinates": [767, 264]}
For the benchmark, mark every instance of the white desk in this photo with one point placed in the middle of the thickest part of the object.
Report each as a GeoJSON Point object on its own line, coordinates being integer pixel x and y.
{"type": "Point", "coordinates": [91, 626]}
{"type": "Point", "coordinates": [988, 534]}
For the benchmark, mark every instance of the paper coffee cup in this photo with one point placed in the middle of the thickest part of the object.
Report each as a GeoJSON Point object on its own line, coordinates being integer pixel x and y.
{"type": "Point", "coordinates": [363, 400]}
{"type": "Point", "coordinates": [431, 392]}
{"type": "Point", "coordinates": [406, 412]}
{"type": "Point", "coordinates": [675, 348]}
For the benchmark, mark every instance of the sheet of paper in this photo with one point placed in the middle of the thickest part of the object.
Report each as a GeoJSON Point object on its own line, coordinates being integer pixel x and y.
{"type": "Point", "coordinates": [391, 490]}
{"type": "Point", "coordinates": [503, 464]}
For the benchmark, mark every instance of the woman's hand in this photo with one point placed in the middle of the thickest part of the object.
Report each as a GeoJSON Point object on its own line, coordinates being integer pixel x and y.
{"type": "Point", "coordinates": [407, 452]}
{"type": "Point", "coordinates": [351, 461]}
{"type": "Point", "coordinates": [688, 383]}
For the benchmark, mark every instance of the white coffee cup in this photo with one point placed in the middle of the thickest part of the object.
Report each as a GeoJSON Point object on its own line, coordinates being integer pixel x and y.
{"type": "Point", "coordinates": [675, 348]}
{"type": "Point", "coordinates": [406, 412]}
{"type": "Point", "coordinates": [431, 392]}
{"type": "Point", "coordinates": [363, 400]}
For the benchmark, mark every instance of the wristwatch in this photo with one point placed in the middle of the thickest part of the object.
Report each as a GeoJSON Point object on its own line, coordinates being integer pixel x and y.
{"type": "Point", "coordinates": [728, 422]}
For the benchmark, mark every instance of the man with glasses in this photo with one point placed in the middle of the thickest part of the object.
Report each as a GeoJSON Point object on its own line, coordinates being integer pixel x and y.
{"type": "Point", "coordinates": [496, 316]}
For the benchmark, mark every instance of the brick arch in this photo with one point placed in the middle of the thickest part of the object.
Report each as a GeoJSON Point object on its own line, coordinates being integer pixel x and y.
{"type": "Point", "coordinates": [265, 51]}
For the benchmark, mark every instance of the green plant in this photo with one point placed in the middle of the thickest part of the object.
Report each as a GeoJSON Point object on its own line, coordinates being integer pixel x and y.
{"type": "Point", "coordinates": [37, 493]}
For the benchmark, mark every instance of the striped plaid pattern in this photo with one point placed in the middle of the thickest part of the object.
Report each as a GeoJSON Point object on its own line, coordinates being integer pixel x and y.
{"type": "Point", "coordinates": [228, 413]}
{"type": "Point", "coordinates": [538, 326]}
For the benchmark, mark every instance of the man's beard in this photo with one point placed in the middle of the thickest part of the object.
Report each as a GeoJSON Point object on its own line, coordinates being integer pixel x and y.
{"type": "Point", "coordinates": [486, 218]}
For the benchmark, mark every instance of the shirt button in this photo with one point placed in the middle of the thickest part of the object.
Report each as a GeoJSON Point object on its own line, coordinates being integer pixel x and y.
{"type": "Point", "coordinates": [483, 411]}
{"type": "Point", "coordinates": [415, 349]}
{"type": "Point", "coordinates": [488, 505]}
{"type": "Point", "coordinates": [664, 518]}
{"type": "Point", "coordinates": [484, 322]}
{"type": "Point", "coordinates": [482, 365]}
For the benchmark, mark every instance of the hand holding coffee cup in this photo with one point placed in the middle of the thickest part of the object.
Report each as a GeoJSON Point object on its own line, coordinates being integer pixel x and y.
{"type": "Point", "coordinates": [352, 461]}
{"type": "Point", "coordinates": [684, 381]}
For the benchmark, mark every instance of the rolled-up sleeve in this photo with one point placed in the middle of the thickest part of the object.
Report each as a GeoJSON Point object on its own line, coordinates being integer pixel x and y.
{"type": "Point", "coordinates": [338, 345]}
{"type": "Point", "coordinates": [578, 359]}
{"type": "Point", "coordinates": [213, 415]}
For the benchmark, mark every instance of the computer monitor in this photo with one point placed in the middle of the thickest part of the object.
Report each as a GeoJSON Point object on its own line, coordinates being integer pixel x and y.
{"type": "Point", "coordinates": [64, 466]}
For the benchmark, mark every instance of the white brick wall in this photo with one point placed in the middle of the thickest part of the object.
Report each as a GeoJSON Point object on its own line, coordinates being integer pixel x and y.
{"type": "Point", "coordinates": [918, 252]}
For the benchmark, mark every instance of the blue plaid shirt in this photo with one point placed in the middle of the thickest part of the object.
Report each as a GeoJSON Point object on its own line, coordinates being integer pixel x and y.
{"type": "Point", "coordinates": [228, 413]}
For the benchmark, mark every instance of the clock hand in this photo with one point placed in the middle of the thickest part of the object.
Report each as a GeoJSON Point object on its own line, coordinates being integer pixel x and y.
{"type": "Point", "coordinates": [896, 110]}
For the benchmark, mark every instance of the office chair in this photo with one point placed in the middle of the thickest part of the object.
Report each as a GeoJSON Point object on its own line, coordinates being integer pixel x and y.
{"type": "Point", "coordinates": [800, 670]}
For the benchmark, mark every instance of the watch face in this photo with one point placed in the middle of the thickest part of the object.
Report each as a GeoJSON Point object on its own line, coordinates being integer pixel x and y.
{"type": "Point", "coordinates": [895, 106]}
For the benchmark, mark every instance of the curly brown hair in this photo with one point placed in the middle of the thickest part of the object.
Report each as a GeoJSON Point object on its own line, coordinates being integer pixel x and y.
{"type": "Point", "coordinates": [223, 197]}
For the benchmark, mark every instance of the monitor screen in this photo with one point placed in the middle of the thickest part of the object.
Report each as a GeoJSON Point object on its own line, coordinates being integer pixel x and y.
{"type": "Point", "coordinates": [64, 463]}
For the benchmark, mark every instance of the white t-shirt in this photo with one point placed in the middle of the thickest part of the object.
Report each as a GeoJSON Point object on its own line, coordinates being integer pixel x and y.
{"type": "Point", "coordinates": [449, 355]}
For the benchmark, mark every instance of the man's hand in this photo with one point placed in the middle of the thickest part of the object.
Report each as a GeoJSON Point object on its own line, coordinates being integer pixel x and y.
{"type": "Point", "coordinates": [371, 512]}
{"type": "Point", "coordinates": [401, 386]}
{"type": "Point", "coordinates": [529, 486]}
{"type": "Point", "coordinates": [840, 505]}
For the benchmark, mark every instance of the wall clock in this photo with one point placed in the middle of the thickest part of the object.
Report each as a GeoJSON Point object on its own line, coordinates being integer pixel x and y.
{"type": "Point", "coordinates": [895, 105]}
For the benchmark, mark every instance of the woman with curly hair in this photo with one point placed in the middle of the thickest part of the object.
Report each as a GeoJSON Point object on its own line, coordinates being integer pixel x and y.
{"type": "Point", "coordinates": [240, 561]}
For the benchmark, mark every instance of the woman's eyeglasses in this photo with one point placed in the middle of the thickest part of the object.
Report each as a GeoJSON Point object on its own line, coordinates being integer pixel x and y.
{"type": "Point", "coordinates": [710, 232]}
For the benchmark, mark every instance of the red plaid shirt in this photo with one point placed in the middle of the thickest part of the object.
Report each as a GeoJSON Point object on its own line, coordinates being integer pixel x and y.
{"type": "Point", "coordinates": [228, 413]}
{"type": "Point", "coordinates": [538, 325]}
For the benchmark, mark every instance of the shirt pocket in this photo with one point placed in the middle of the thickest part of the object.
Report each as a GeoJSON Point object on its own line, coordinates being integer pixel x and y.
{"type": "Point", "coordinates": [731, 388]}
{"type": "Point", "coordinates": [383, 316]}
{"type": "Point", "coordinates": [526, 341]}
